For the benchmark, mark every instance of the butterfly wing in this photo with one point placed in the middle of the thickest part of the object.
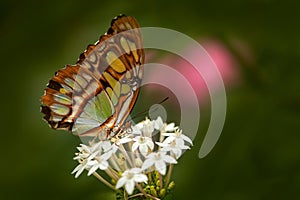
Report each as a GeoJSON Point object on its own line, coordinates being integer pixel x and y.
{"type": "Point", "coordinates": [98, 93]}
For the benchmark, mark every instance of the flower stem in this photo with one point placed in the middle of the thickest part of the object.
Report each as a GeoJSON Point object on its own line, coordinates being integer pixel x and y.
{"type": "Point", "coordinates": [144, 193]}
{"type": "Point", "coordinates": [117, 175]}
{"type": "Point", "coordinates": [160, 181]}
{"type": "Point", "coordinates": [103, 180]}
{"type": "Point", "coordinates": [114, 162]}
{"type": "Point", "coordinates": [112, 174]}
{"type": "Point", "coordinates": [150, 177]}
{"type": "Point", "coordinates": [138, 186]}
{"type": "Point", "coordinates": [168, 178]}
{"type": "Point", "coordinates": [141, 194]}
{"type": "Point", "coordinates": [125, 195]}
{"type": "Point", "coordinates": [126, 155]}
{"type": "Point", "coordinates": [136, 195]}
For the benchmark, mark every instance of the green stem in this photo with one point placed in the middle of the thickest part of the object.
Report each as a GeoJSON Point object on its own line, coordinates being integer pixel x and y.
{"type": "Point", "coordinates": [168, 178]}
{"type": "Point", "coordinates": [126, 155]}
{"type": "Point", "coordinates": [136, 195]}
{"type": "Point", "coordinates": [125, 195]}
{"type": "Point", "coordinates": [141, 194]}
{"type": "Point", "coordinates": [160, 181]}
{"type": "Point", "coordinates": [114, 162]}
{"type": "Point", "coordinates": [103, 180]}
{"type": "Point", "coordinates": [138, 186]}
{"type": "Point", "coordinates": [112, 174]}
{"type": "Point", "coordinates": [150, 177]}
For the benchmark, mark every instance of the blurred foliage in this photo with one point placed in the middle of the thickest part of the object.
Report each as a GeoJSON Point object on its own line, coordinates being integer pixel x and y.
{"type": "Point", "coordinates": [258, 154]}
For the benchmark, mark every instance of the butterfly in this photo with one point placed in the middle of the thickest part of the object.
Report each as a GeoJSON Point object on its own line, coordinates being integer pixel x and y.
{"type": "Point", "coordinates": [95, 96]}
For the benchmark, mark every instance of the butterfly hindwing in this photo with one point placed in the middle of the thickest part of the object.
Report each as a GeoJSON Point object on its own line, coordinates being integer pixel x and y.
{"type": "Point", "coordinates": [98, 93]}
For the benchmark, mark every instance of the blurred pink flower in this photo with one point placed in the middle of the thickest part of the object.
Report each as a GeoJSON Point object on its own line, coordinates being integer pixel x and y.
{"type": "Point", "coordinates": [224, 60]}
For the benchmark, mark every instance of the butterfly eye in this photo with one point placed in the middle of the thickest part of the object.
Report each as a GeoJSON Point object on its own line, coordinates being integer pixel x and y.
{"type": "Point", "coordinates": [136, 80]}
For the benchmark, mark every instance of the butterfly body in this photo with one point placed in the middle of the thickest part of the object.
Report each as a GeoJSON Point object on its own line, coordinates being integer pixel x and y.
{"type": "Point", "coordinates": [95, 96]}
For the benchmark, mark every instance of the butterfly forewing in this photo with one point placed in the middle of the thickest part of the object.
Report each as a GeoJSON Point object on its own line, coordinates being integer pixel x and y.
{"type": "Point", "coordinates": [97, 94]}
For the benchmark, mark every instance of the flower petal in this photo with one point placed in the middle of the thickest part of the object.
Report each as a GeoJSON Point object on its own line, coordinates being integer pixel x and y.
{"type": "Point", "coordinates": [150, 143]}
{"type": "Point", "coordinates": [136, 129]}
{"type": "Point", "coordinates": [136, 170]}
{"type": "Point", "coordinates": [166, 149]}
{"type": "Point", "coordinates": [143, 149]}
{"type": "Point", "coordinates": [121, 182]}
{"type": "Point", "coordinates": [125, 140]}
{"type": "Point", "coordinates": [78, 167]}
{"type": "Point", "coordinates": [186, 138]}
{"type": "Point", "coordinates": [140, 178]}
{"type": "Point", "coordinates": [162, 144]}
{"type": "Point", "coordinates": [169, 139]}
{"type": "Point", "coordinates": [103, 165]}
{"type": "Point", "coordinates": [179, 142]}
{"type": "Point", "coordinates": [170, 127]}
{"type": "Point", "coordinates": [177, 152]}
{"type": "Point", "coordinates": [106, 155]}
{"type": "Point", "coordinates": [168, 134]}
{"type": "Point", "coordinates": [92, 170]}
{"type": "Point", "coordinates": [160, 166]}
{"type": "Point", "coordinates": [135, 146]}
{"type": "Point", "coordinates": [147, 163]}
{"type": "Point", "coordinates": [169, 159]}
{"type": "Point", "coordinates": [158, 123]}
{"type": "Point", "coordinates": [106, 145]}
{"type": "Point", "coordinates": [79, 172]}
{"type": "Point", "coordinates": [129, 186]}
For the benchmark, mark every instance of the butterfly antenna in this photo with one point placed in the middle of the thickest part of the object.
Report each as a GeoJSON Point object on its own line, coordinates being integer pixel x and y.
{"type": "Point", "coordinates": [142, 113]}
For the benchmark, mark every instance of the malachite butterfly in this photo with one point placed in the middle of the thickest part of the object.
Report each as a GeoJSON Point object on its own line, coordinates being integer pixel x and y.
{"type": "Point", "coordinates": [95, 96]}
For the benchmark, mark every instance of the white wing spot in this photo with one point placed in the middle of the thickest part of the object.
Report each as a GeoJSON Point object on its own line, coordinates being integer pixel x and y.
{"type": "Point", "coordinates": [93, 57]}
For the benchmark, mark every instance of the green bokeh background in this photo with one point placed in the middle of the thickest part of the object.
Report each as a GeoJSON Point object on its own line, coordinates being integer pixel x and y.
{"type": "Point", "coordinates": [258, 154]}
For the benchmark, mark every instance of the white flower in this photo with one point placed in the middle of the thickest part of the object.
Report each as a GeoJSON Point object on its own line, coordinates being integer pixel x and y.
{"type": "Point", "coordinates": [85, 158]}
{"type": "Point", "coordinates": [112, 148]}
{"type": "Point", "coordinates": [79, 169]}
{"type": "Point", "coordinates": [105, 145]}
{"type": "Point", "coordinates": [84, 152]}
{"type": "Point", "coordinates": [90, 157]}
{"type": "Point", "coordinates": [129, 178]}
{"type": "Point", "coordinates": [173, 147]}
{"type": "Point", "coordinates": [124, 140]}
{"type": "Point", "coordinates": [136, 129]}
{"type": "Point", "coordinates": [163, 127]}
{"type": "Point", "coordinates": [159, 160]}
{"type": "Point", "coordinates": [99, 162]}
{"type": "Point", "coordinates": [143, 143]}
{"type": "Point", "coordinates": [144, 128]}
{"type": "Point", "coordinates": [178, 136]}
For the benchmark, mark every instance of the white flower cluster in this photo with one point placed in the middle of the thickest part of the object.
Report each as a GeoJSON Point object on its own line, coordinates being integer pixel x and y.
{"type": "Point", "coordinates": [150, 145]}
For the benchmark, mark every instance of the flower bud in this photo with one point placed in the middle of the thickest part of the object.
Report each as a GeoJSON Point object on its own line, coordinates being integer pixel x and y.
{"type": "Point", "coordinates": [162, 192]}
{"type": "Point", "coordinates": [171, 185]}
{"type": "Point", "coordinates": [138, 162]}
{"type": "Point", "coordinates": [153, 191]}
{"type": "Point", "coordinates": [158, 182]}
